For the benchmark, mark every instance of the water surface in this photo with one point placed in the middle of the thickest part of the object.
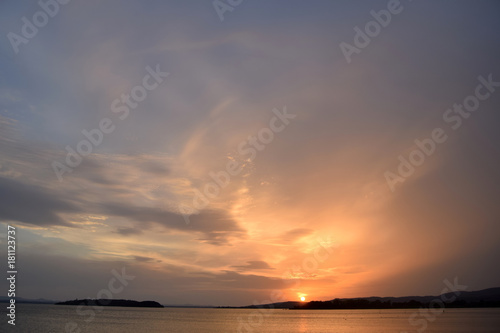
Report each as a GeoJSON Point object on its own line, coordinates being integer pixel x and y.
{"type": "Point", "coordinates": [55, 318]}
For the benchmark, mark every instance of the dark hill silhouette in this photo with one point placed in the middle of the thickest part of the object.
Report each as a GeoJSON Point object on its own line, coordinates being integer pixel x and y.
{"type": "Point", "coordinates": [464, 299]}
{"type": "Point", "coordinates": [113, 302]}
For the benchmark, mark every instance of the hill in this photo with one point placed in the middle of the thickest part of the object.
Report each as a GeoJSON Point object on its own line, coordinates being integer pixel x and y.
{"type": "Point", "coordinates": [113, 302]}
{"type": "Point", "coordinates": [463, 299]}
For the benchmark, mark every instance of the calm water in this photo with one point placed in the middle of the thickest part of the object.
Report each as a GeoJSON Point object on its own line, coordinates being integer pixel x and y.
{"type": "Point", "coordinates": [52, 318]}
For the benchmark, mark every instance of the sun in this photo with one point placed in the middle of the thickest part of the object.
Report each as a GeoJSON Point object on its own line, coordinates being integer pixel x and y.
{"type": "Point", "coordinates": [302, 296]}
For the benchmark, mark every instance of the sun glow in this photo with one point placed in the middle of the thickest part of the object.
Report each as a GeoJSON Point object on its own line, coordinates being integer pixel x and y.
{"type": "Point", "coordinates": [302, 298]}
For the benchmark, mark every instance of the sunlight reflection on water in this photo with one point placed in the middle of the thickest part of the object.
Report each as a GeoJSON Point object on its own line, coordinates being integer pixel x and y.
{"type": "Point", "coordinates": [52, 318]}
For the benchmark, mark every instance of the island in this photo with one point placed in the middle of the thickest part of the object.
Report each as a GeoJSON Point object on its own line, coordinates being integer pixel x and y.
{"type": "Point", "coordinates": [113, 302]}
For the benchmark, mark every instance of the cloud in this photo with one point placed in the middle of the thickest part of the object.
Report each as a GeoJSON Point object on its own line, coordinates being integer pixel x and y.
{"type": "Point", "coordinates": [128, 231]}
{"type": "Point", "coordinates": [230, 279]}
{"type": "Point", "coordinates": [156, 168]}
{"type": "Point", "coordinates": [144, 259]}
{"type": "Point", "coordinates": [217, 227]}
{"type": "Point", "coordinates": [114, 177]}
{"type": "Point", "coordinates": [32, 204]}
{"type": "Point", "coordinates": [296, 234]}
{"type": "Point", "coordinates": [253, 265]}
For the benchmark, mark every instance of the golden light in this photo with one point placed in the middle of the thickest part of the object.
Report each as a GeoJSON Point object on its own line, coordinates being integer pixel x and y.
{"type": "Point", "coordinates": [302, 298]}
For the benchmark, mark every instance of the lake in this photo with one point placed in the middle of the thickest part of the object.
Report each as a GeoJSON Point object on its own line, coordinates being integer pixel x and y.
{"type": "Point", "coordinates": [56, 318]}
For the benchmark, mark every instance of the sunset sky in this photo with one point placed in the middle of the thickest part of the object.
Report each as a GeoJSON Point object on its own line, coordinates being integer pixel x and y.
{"type": "Point", "coordinates": [268, 89]}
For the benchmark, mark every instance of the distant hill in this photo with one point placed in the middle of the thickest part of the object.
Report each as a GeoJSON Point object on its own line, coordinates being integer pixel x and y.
{"type": "Point", "coordinates": [466, 299]}
{"type": "Point", "coordinates": [113, 302]}
{"type": "Point", "coordinates": [490, 294]}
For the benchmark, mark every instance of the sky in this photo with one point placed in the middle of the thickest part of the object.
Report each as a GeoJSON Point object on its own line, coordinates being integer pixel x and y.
{"type": "Point", "coordinates": [219, 154]}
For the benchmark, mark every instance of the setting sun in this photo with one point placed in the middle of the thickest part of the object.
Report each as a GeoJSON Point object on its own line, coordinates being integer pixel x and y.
{"type": "Point", "coordinates": [302, 298]}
